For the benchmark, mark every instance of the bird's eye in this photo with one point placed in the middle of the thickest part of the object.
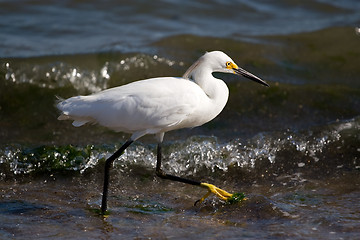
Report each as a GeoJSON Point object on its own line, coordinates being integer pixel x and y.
{"type": "Point", "coordinates": [228, 64]}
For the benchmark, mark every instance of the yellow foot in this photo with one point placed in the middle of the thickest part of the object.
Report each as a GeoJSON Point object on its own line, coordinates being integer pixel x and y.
{"type": "Point", "coordinates": [222, 194]}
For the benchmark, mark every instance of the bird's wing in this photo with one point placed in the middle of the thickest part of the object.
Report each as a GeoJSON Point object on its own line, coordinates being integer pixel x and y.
{"type": "Point", "coordinates": [154, 104]}
{"type": "Point", "coordinates": [158, 103]}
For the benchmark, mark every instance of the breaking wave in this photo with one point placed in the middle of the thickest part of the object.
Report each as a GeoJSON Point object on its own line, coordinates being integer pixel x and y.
{"type": "Point", "coordinates": [330, 147]}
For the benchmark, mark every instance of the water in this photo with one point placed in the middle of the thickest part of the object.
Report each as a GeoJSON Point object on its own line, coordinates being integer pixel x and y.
{"type": "Point", "coordinates": [293, 148]}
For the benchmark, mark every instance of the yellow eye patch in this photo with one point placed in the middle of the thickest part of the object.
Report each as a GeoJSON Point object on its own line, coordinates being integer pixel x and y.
{"type": "Point", "coordinates": [231, 65]}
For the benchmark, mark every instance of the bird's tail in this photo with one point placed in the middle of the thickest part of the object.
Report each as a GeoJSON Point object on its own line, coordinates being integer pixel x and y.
{"type": "Point", "coordinates": [75, 108]}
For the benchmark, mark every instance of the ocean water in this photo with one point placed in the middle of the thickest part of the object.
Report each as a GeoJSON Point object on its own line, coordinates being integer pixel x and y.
{"type": "Point", "coordinates": [293, 148]}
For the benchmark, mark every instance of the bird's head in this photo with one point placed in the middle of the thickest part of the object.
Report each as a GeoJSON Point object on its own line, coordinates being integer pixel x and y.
{"type": "Point", "coordinates": [223, 63]}
{"type": "Point", "coordinates": [220, 62]}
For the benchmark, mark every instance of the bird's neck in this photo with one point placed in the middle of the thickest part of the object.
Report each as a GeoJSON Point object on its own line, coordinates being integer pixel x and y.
{"type": "Point", "coordinates": [214, 88]}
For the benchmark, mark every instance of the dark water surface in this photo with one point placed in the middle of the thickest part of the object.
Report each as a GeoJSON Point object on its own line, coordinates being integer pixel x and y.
{"type": "Point", "coordinates": [293, 148]}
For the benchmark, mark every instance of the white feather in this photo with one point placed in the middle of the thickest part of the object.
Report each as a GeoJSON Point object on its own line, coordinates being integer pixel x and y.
{"type": "Point", "coordinates": [156, 105]}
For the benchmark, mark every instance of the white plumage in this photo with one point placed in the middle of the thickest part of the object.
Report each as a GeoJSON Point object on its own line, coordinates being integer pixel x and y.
{"type": "Point", "coordinates": [158, 105]}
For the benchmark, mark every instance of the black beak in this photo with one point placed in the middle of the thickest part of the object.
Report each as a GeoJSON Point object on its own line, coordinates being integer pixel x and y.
{"type": "Point", "coordinates": [250, 76]}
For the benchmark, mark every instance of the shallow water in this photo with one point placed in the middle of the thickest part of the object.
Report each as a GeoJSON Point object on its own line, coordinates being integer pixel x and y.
{"type": "Point", "coordinates": [290, 206]}
{"type": "Point", "coordinates": [293, 148]}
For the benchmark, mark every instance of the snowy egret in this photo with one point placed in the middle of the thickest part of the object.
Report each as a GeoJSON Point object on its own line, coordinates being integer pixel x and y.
{"type": "Point", "coordinates": [156, 106]}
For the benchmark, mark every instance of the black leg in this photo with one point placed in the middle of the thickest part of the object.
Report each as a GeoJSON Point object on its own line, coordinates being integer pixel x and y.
{"type": "Point", "coordinates": [163, 175]}
{"type": "Point", "coordinates": [211, 188]}
{"type": "Point", "coordinates": [108, 163]}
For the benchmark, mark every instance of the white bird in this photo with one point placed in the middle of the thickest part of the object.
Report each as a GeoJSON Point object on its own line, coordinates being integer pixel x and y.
{"type": "Point", "coordinates": [158, 105]}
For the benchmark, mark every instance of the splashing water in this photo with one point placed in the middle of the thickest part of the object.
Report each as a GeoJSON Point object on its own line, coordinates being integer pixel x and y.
{"type": "Point", "coordinates": [196, 154]}
{"type": "Point", "coordinates": [84, 80]}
